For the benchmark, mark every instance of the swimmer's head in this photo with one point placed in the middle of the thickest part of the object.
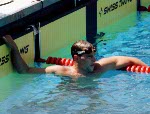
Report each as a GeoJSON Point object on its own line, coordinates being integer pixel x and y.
{"type": "Point", "coordinates": [82, 47]}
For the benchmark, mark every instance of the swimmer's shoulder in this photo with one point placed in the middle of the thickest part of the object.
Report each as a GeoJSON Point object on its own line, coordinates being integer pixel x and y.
{"type": "Point", "coordinates": [57, 69]}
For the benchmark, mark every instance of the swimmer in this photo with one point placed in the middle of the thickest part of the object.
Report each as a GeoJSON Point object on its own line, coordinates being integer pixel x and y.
{"type": "Point", "coordinates": [83, 57]}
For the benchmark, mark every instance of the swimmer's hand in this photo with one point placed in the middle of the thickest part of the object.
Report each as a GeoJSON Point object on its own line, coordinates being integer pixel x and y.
{"type": "Point", "coordinates": [10, 42]}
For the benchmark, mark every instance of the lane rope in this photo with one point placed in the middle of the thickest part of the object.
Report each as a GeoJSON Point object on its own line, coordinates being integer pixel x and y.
{"type": "Point", "coordinates": [69, 62]}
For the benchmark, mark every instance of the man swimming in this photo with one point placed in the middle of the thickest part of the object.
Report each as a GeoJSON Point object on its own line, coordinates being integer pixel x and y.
{"type": "Point", "coordinates": [83, 57]}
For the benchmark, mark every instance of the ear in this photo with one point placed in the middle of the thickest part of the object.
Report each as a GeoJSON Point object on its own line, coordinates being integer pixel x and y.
{"type": "Point", "coordinates": [75, 57]}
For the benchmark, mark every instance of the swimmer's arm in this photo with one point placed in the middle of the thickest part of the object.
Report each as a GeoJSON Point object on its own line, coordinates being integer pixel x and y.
{"type": "Point", "coordinates": [56, 69]}
{"type": "Point", "coordinates": [21, 66]}
{"type": "Point", "coordinates": [18, 63]}
{"type": "Point", "coordinates": [122, 62]}
{"type": "Point", "coordinates": [119, 62]}
{"type": "Point", "coordinates": [50, 69]}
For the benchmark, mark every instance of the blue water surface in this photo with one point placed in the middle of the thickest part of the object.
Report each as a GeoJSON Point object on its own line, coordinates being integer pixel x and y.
{"type": "Point", "coordinates": [115, 92]}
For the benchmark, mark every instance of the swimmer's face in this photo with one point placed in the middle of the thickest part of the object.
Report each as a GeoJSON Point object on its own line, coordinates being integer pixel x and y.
{"type": "Point", "coordinates": [83, 53]}
{"type": "Point", "coordinates": [86, 61]}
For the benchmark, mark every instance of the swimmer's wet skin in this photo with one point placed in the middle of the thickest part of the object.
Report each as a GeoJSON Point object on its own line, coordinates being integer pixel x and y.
{"type": "Point", "coordinates": [84, 61]}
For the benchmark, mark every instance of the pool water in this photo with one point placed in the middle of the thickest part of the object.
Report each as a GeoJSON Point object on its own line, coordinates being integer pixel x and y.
{"type": "Point", "coordinates": [115, 92]}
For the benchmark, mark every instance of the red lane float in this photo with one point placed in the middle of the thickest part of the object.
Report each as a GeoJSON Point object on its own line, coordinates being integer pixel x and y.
{"type": "Point", "coordinates": [59, 61]}
{"type": "Point", "coordinates": [69, 62]}
{"type": "Point", "coordinates": [137, 68]}
{"type": "Point", "coordinates": [148, 8]}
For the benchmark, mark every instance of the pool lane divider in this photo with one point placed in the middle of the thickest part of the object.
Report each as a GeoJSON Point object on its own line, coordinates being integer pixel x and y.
{"type": "Point", "coordinates": [69, 62]}
{"type": "Point", "coordinates": [138, 68]}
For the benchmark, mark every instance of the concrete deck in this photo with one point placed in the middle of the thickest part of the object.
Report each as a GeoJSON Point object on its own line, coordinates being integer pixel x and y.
{"type": "Point", "coordinates": [12, 10]}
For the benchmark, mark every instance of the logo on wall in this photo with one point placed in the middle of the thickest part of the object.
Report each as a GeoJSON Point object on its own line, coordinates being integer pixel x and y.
{"type": "Point", "coordinates": [113, 6]}
{"type": "Point", "coordinates": [24, 50]}
{"type": "Point", "coordinates": [5, 59]}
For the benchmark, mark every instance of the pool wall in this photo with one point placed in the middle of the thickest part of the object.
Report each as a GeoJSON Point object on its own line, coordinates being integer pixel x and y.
{"type": "Point", "coordinates": [145, 3]}
{"type": "Point", "coordinates": [43, 27]}
{"type": "Point", "coordinates": [113, 10]}
{"type": "Point", "coordinates": [63, 31]}
{"type": "Point", "coordinates": [26, 47]}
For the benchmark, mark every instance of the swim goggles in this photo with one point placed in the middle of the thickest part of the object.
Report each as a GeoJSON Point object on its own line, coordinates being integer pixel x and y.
{"type": "Point", "coordinates": [86, 51]}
